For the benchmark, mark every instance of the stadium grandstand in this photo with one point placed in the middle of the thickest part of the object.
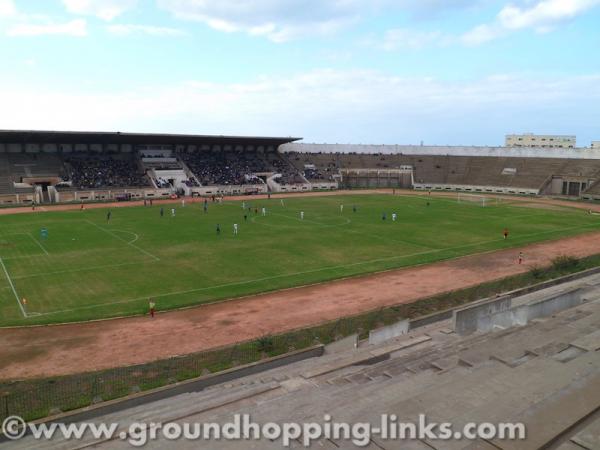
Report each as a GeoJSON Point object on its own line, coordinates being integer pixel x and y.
{"type": "Point", "coordinates": [498, 170]}
{"type": "Point", "coordinates": [54, 167]}
{"type": "Point", "coordinates": [61, 167]}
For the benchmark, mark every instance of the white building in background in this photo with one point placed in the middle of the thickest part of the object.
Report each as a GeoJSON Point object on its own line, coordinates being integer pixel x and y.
{"type": "Point", "coordinates": [530, 140]}
{"type": "Point", "coordinates": [595, 144]}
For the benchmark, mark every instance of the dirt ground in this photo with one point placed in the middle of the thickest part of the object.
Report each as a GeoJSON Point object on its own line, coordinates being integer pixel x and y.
{"type": "Point", "coordinates": [72, 348]}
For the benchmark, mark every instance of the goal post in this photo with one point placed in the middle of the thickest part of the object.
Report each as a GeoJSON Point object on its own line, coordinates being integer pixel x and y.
{"type": "Point", "coordinates": [473, 199]}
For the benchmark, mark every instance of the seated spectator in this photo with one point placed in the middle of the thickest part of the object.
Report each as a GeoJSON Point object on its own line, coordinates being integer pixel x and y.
{"type": "Point", "coordinates": [93, 172]}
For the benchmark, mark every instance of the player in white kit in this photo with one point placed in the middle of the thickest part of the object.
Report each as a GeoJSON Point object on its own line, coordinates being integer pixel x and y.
{"type": "Point", "coordinates": [235, 228]}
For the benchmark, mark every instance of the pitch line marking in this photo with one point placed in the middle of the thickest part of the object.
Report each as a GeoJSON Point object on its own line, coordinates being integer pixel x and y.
{"type": "Point", "coordinates": [131, 244]}
{"type": "Point", "coordinates": [82, 269]}
{"type": "Point", "coordinates": [13, 288]}
{"type": "Point", "coordinates": [321, 269]}
{"type": "Point", "coordinates": [136, 236]}
{"type": "Point", "coordinates": [38, 243]}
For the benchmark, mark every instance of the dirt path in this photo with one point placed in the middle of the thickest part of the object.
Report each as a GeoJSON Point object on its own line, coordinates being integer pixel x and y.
{"type": "Point", "coordinates": [40, 209]}
{"type": "Point", "coordinates": [63, 349]}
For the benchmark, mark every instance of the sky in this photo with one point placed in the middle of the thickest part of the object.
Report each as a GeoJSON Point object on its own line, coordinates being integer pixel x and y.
{"type": "Point", "coordinates": [459, 72]}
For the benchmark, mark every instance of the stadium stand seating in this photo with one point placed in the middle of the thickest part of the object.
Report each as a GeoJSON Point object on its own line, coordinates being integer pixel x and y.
{"type": "Point", "coordinates": [101, 171]}
{"type": "Point", "coordinates": [6, 183]}
{"type": "Point", "coordinates": [457, 170]}
{"type": "Point", "coordinates": [146, 169]}
{"type": "Point", "coordinates": [85, 171]}
{"type": "Point", "coordinates": [234, 167]}
{"type": "Point", "coordinates": [594, 189]}
{"type": "Point", "coordinates": [16, 166]}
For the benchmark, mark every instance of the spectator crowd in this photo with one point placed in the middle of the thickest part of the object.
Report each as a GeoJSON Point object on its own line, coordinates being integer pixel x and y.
{"type": "Point", "coordinates": [210, 168]}
{"type": "Point", "coordinates": [93, 172]}
{"type": "Point", "coordinates": [226, 168]}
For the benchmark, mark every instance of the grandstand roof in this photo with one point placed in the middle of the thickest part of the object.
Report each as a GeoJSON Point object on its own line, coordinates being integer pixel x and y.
{"type": "Point", "coordinates": [78, 137]}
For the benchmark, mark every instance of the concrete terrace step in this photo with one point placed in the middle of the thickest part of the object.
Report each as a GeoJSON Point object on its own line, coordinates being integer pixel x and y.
{"type": "Point", "coordinates": [510, 399]}
{"type": "Point", "coordinates": [589, 342]}
{"type": "Point", "coordinates": [589, 437]}
{"type": "Point", "coordinates": [548, 419]}
{"type": "Point", "coordinates": [161, 411]}
{"type": "Point", "coordinates": [362, 357]}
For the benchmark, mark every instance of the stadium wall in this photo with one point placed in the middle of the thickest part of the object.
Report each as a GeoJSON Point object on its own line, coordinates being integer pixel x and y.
{"type": "Point", "coordinates": [16, 199]}
{"type": "Point", "coordinates": [378, 178]}
{"type": "Point", "coordinates": [475, 189]}
{"type": "Point", "coordinates": [434, 150]}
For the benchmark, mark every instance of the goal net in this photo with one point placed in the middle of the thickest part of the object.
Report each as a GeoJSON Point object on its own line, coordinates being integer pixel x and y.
{"type": "Point", "coordinates": [473, 199]}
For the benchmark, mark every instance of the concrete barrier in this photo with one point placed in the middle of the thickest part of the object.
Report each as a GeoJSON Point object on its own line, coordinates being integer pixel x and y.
{"type": "Point", "coordinates": [342, 345]}
{"type": "Point", "coordinates": [517, 316]}
{"type": "Point", "coordinates": [467, 320]}
{"type": "Point", "coordinates": [547, 307]}
{"type": "Point", "coordinates": [506, 312]}
{"type": "Point", "coordinates": [386, 333]}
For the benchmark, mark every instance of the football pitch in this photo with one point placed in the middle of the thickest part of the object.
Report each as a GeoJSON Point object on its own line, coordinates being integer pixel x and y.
{"type": "Point", "coordinates": [89, 268]}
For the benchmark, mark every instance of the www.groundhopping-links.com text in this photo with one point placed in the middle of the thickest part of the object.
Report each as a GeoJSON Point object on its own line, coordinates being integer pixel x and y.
{"type": "Point", "coordinates": [242, 427]}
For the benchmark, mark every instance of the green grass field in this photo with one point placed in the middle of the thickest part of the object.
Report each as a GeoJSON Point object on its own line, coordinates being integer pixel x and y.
{"type": "Point", "coordinates": [87, 268]}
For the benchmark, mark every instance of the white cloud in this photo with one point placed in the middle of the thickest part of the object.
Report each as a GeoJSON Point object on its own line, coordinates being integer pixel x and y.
{"type": "Point", "coordinates": [128, 29]}
{"type": "Point", "coordinates": [75, 28]}
{"type": "Point", "coordinates": [7, 8]}
{"type": "Point", "coordinates": [322, 105]}
{"type": "Point", "coordinates": [103, 9]}
{"type": "Point", "coordinates": [542, 16]}
{"type": "Point", "coordinates": [282, 20]}
{"type": "Point", "coordinates": [275, 19]}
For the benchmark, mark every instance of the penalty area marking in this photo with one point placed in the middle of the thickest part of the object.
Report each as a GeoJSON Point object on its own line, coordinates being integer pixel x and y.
{"type": "Point", "coordinates": [12, 286]}
{"type": "Point", "coordinates": [320, 269]}
{"type": "Point", "coordinates": [130, 243]}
